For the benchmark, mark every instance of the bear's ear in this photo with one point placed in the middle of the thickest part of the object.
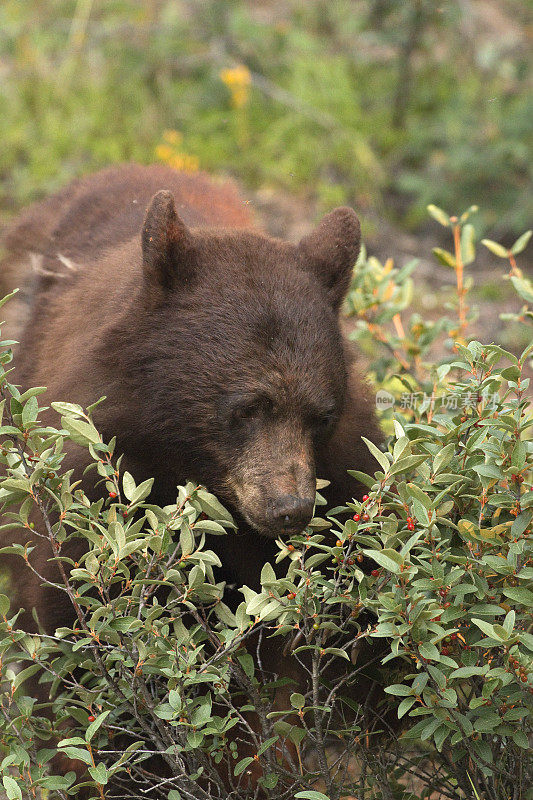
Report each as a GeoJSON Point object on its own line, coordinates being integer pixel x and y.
{"type": "Point", "coordinates": [331, 250]}
{"type": "Point", "coordinates": [168, 258]}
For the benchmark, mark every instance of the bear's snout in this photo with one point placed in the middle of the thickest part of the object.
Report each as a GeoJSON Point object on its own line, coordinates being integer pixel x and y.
{"type": "Point", "coordinates": [289, 513]}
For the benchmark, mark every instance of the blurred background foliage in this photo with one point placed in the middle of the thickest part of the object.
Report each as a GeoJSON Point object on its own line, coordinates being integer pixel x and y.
{"type": "Point", "coordinates": [383, 104]}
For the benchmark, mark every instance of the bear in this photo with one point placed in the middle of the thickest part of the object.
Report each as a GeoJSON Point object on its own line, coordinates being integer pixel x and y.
{"type": "Point", "coordinates": [219, 350]}
{"type": "Point", "coordinates": [217, 347]}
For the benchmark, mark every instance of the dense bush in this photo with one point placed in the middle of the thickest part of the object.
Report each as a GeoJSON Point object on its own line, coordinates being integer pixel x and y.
{"type": "Point", "coordinates": [158, 683]}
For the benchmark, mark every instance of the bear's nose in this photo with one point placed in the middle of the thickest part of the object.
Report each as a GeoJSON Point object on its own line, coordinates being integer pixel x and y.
{"type": "Point", "coordinates": [290, 512]}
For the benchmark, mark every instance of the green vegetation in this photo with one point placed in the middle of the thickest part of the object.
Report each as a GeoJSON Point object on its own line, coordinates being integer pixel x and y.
{"type": "Point", "coordinates": [384, 105]}
{"type": "Point", "coordinates": [435, 562]}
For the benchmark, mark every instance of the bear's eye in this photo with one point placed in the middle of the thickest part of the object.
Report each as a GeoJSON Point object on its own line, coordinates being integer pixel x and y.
{"type": "Point", "coordinates": [323, 422]}
{"type": "Point", "coordinates": [252, 409]}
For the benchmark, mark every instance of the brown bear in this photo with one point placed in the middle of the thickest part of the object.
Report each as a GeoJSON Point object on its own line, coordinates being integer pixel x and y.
{"type": "Point", "coordinates": [218, 348]}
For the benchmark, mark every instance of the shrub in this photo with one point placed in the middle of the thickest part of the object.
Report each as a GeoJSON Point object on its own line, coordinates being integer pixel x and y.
{"type": "Point", "coordinates": [158, 686]}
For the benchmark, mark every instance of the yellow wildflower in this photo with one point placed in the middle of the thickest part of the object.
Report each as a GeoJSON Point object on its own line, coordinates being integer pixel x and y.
{"type": "Point", "coordinates": [238, 80]}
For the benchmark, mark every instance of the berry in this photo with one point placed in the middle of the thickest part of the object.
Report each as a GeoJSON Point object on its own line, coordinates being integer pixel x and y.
{"type": "Point", "coordinates": [365, 517]}
{"type": "Point", "coordinates": [291, 596]}
{"type": "Point", "coordinates": [409, 519]}
{"type": "Point", "coordinates": [339, 543]}
{"type": "Point", "coordinates": [91, 718]}
{"type": "Point", "coordinates": [356, 517]}
{"type": "Point", "coordinates": [360, 557]}
{"type": "Point", "coordinates": [410, 526]}
{"type": "Point", "coordinates": [365, 497]}
{"type": "Point", "coordinates": [445, 651]}
{"type": "Point", "coordinates": [375, 573]}
{"type": "Point", "coordinates": [290, 547]}
{"type": "Point", "coordinates": [112, 495]}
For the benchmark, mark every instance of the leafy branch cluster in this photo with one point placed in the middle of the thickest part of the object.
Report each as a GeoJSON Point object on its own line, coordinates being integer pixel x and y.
{"type": "Point", "coordinates": [406, 615]}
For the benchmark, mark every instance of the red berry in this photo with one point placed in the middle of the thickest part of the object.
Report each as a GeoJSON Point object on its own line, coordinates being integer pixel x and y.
{"type": "Point", "coordinates": [375, 573]}
{"type": "Point", "coordinates": [447, 605]}
{"type": "Point", "coordinates": [356, 517]}
{"type": "Point", "coordinates": [445, 651]}
{"type": "Point", "coordinates": [112, 495]}
{"type": "Point", "coordinates": [410, 526]}
{"type": "Point", "coordinates": [290, 547]}
{"type": "Point", "coordinates": [291, 596]}
{"type": "Point", "coordinates": [409, 519]}
{"type": "Point", "coordinates": [91, 718]}
{"type": "Point", "coordinates": [365, 517]}
{"type": "Point", "coordinates": [365, 497]}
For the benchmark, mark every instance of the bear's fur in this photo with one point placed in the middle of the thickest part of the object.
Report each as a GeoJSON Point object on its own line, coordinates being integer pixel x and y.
{"type": "Point", "coordinates": [218, 348]}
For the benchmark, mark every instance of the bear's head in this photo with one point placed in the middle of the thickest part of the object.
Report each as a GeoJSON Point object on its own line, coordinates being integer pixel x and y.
{"type": "Point", "coordinates": [245, 370]}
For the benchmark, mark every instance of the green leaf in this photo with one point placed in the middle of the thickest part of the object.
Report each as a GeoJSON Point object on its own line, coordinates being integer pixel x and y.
{"type": "Point", "coordinates": [524, 288]}
{"type": "Point", "coordinates": [12, 788]}
{"type": "Point", "coordinates": [99, 774]}
{"type": "Point", "coordinates": [405, 705]}
{"type": "Point", "coordinates": [521, 243]}
{"type": "Point", "coordinates": [520, 739]}
{"type": "Point", "coordinates": [311, 794]}
{"type": "Point", "coordinates": [380, 457]}
{"type": "Point", "coordinates": [186, 540]}
{"type": "Point", "coordinates": [520, 595]}
{"type": "Point", "coordinates": [213, 507]}
{"type": "Point", "coordinates": [495, 248]}
{"type": "Point", "coordinates": [468, 250]}
{"type": "Point", "coordinates": [68, 408]}
{"type": "Point", "coordinates": [81, 432]}
{"type": "Point", "coordinates": [406, 464]}
{"type": "Point", "coordinates": [128, 485]}
{"type": "Point", "coordinates": [429, 651]}
{"type": "Point", "coordinates": [487, 628]}
{"type": "Point", "coordinates": [399, 690]}
{"type": "Point", "coordinates": [389, 559]}
{"type": "Point", "coordinates": [30, 411]}
{"type": "Point", "coordinates": [445, 257]}
{"type": "Point", "coordinates": [438, 214]}
{"type": "Point", "coordinates": [297, 700]}
{"type": "Point", "coordinates": [467, 672]}
{"type": "Point", "coordinates": [267, 574]}
{"type": "Point", "coordinates": [487, 722]}
{"type": "Point", "coordinates": [4, 605]}
{"type": "Point", "coordinates": [95, 724]}
{"type": "Point", "coordinates": [78, 754]}
{"type": "Point", "coordinates": [242, 764]}
{"type": "Point", "coordinates": [4, 300]}
{"type": "Point", "coordinates": [440, 735]}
